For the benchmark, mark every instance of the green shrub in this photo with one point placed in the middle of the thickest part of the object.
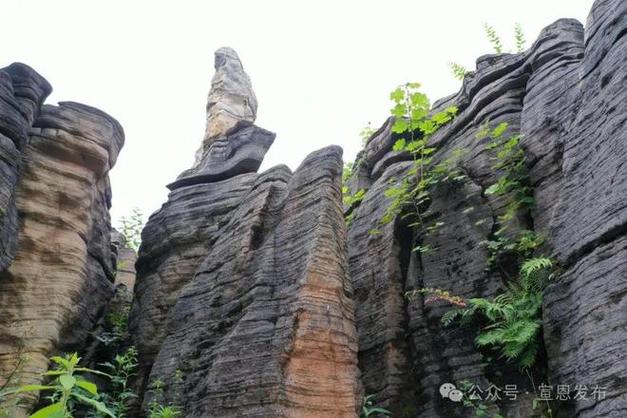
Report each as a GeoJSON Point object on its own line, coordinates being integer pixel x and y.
{"type": "Point", "coordinates": [121, 369]}
{"type": "Point", "coordinates": [69, 388]}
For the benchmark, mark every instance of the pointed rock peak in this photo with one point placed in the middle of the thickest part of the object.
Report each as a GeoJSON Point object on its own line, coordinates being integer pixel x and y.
{"type": "Point", "coordinates": [225, 57]}
{"type": "Point", "coordinates": [231, 99]}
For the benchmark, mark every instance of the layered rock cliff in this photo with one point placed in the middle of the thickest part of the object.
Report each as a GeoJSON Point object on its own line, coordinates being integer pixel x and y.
{"type": "Point", "coordinates": [566, 95]}
{"type": "Point", "coordinates": [243, 302]}
{"type": "Point", "coordinates": [57, 266]}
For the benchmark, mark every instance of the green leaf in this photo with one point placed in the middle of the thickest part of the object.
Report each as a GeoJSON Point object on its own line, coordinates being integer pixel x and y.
{"type": "Point", "coordinates": [400, 126]}
{"type": "Point", "coordinates": [67, 381]}
{"type": "Point", "coordinates": [499, 130]}
{"type": "Point", "coordinates": [494, 39]}
{"type": "Point", "coordinates": [420, 100]}
{"type": "Point", "coordinates": [86, 370]}
{"type": "Point", "coordinates": [51, 411]}
{"type": "Point", "coordinates": [61, 361]}
{"type": "Point", "coordinates": [399, 145]}
{"type": "Point", "coordinates": [492, 189]}
{"type": "Point", "coordinates": [88, 386]}
{"type": "Point", "coordinates": [427, 127]}
{"type": "Point", "coordinates": [54, 372]}
{"type": "Point", "coordinates": [397, 95]}
{"type": "Point", "coordinates": [29, 388]}
{"type": "Point", "coordinates": [99, 406]}
{"type": "Point", "coordinates": [458, 71]}
{"type": "Point", "coordinates": [399, 110]}
{"type": "Point", "coordinates": [415, 145]}
{"type": "Point", "coordinates": [452, 110]}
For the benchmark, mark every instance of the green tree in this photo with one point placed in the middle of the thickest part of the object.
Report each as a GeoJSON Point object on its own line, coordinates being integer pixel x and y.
{"type": "Point", "coordinates": [69, 387]}
{"type": "Point", "coordinates": [131, 228]}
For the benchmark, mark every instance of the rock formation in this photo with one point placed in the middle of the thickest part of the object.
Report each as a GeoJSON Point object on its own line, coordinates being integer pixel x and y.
{"type": "Point", "coordinates": [231, 99]}
{"type": "Point", "coordinates": [567, 97]}
{"type": "Point", "coordinates": [252, 298]}
{"type": "Point", "coordinates": [57, 269]}
{"type": "Point", "coordinates": [242, 285]}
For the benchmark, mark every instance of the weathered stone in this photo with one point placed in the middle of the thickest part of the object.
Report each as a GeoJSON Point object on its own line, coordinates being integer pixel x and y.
{"type": "Point", "coordinates": [585, 335]}
{"type": "Point", "coordinates": [175, 240]}
{"type": "Point", "coordinates": [231, 99]}
{"type": "Point", "coordinates": [569, 105]}
{"type": "Point", "coordinates": [264, 327]}
{"type": "Point", "coordinates": [124, 258]}
{"type": "Point", "coordinates": [242, 277]}
{"type": "Point", "coordinates": [240, 151]}
{"type": "Point", "coordinates": [22, 92]}
{"type": "Point", "coordinates": [61, 279]}
{"type": "Point", "coordinates": [585, 311]}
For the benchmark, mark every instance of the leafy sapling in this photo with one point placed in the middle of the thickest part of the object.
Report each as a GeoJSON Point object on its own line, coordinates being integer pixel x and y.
{"type": "Point", "coordinates": [69, 388]}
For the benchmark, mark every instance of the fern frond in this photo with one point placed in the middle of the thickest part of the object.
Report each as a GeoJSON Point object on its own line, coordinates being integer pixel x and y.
{"type": "Point", "coordinates": [535, 272]}
{"type": "Point", "coordinates": [521, 332]}
{"type": "Point", "coordinates": [494, 38]}
{"type": "Point", "coordinates": [520, 37]}
{"type": "Point", "coordinates": [451, 316]}
{"type": "Point", "coordinates": [528, 357]}
{"type": "Point", "coordinates": [533, 265]}
{"type": "Point", "coordinates": [458, 70]}
{"type": "Point", "coordinates": [491, 337]}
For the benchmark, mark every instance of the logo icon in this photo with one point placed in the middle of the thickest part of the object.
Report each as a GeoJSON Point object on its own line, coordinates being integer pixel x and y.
{"type": "Point", "coordinates": [448, 390]}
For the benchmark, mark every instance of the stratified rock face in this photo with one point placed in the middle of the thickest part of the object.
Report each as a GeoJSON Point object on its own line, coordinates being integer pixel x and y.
{"type": "Point", "coordinates": [174, 242]}
{"type": "Point", "coordinates": [54, 291]}
{"type": "Point", "coordinates": [125, 259]}
{"type": "Point", "coordinates": [22, 92]}
{"type": "Point", "coordinates": [586, 311]}
{"type": "Point", "coordinates": [242, 278]}
{"type": "Point", "coordinates": [231, 99]}
{"type": "Point", "coordinates": [240, 151]}
{"type": "Point", "coordinates": [567, 96]}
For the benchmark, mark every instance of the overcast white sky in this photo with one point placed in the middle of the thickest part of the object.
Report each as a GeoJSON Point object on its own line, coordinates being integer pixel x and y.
{"type": "Point", "coordinates": [321, 69]}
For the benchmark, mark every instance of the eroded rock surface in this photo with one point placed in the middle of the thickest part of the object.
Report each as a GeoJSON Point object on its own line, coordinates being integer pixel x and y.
{"type": "Point", "coordinates": [252, 299]}
{"type": "Point", "coordinates": [22, 92]}
{"type": "Point", "coordinates": [56, 288]}
{"type": "Point", "coordinates": [231, 99]}
{"type": "Point", "coordinates": [567, 96]}
{"type": "Point", "coordinates": [243, 304]}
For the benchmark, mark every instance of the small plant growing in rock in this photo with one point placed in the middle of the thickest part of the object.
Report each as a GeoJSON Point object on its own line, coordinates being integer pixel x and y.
{"type": "Point", "coordinates": [410, 195]}
{"type": "Point", "coordinates": [117, 325]}
{"type": "Point", "coordinates": [156, 408]}
{"type": "Point", "coordinates": [458, 70]}
{"type": "Point", "coordinates": [349, 199]}
{"type": "Point", "coordinates": [520, 38]}
{"type": "Point", "coordinates": [121, 369]}
{"type": "Point", "coordinates": [511, 321]}
{"type": "Point", "coordinates": [494, 38]}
